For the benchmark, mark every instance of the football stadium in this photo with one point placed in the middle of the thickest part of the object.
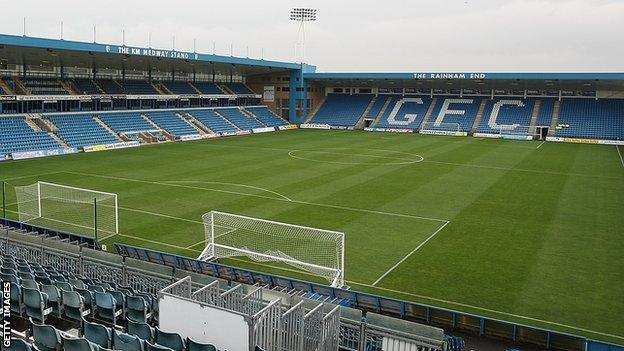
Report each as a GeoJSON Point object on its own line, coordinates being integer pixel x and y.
{"type": "Point", "coordinates": [160, 199]}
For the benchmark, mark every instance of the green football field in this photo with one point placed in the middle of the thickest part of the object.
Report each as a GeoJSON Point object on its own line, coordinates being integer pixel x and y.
{"type": "Point", "coordinates": [530, 232]}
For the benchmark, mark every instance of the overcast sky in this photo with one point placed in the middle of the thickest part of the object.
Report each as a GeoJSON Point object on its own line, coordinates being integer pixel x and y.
{"type": "Point", "coordinates": [363, 35]}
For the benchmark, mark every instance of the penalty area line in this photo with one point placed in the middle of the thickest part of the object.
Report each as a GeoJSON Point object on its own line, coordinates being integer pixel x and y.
{"type": "Point", "coordinates": [411, 253]}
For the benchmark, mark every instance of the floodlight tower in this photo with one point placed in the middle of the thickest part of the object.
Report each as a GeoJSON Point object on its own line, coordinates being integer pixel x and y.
{"type": "Point", "coordinates": [302, 15]}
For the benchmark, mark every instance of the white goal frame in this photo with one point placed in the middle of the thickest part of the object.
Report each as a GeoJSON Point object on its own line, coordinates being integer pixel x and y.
{"type": "Point", "coordinates": [435, 127]}
{"type": "Point", "coordinates": [215, 250]}
{"type": "Point", "coordinates": [39, 184]}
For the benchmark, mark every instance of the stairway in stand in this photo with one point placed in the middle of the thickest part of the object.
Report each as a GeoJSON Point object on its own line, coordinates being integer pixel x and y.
{"type": "Point", "coordinates": [479, 116]}
{"type": "Point", "coordinates": [555, 118]}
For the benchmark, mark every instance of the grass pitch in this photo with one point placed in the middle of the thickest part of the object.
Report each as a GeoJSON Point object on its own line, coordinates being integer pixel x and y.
{"type": "Point", "coordinates": [521, 231]}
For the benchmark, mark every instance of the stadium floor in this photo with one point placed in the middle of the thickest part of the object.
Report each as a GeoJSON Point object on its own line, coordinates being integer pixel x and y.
{"type": "Point", "coordinates": [521, 231]}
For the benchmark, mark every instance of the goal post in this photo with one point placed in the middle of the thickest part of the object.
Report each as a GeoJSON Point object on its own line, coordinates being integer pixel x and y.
{"type": "Point", "coordinates": [518, 131]}
{"type": "Point", "coordinates": [442, 128]}
{"type": "Point", "coordinates": [317, 251]}
{"type": "Point", "coordinates": [80, 211]}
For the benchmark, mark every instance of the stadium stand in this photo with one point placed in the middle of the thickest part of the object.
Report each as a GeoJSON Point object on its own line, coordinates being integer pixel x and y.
{"type": "Point", "coordinates": [236, 117]}
{"type": "Point", "coordinates": [545, 114]}
{"type": "Point", "coordinates": [377, 106]}
{"type": "Point", "coordinates": [17, 136]}
{"type": "Point", "coordinates": [110, 86]}
{"type": "Point", "coordinates": [467, 107]}
{"type": "Point", "coordinates": [397, 115]}
{"type": "Point", "coordinates": [172, 123]}
{"type": "Point", "coordinates": [208, 88]}
{"type": "Point", "coordinates": [93, 300]}
{"type": "Point", "coordinates": [81, 130]}
{"type": "Point", "coordinates": [588, 118]}
{"type": "Point", "coordinates": [342, 109]}
{"type": "Point", "coordinates": [86, 86]}
{"type": "Point", "coordinates": [512, 113]}
{"type": "Point", "coordinates": [213, 121]}
{"type": "Point", "coordinates": [180, 87]}
{"type": "Point", "coordinates": [43, 86]}
{"type": "Point", "coordinates": [239, 88]}
{"type": "Point", "coordinates": [138, 87]}
{"type": "Point", "coordinates": [266, 116]}
{"type": "Point", "coordinates": [126, 122]}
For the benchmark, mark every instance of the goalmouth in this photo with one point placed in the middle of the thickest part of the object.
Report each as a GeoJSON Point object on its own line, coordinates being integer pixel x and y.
{"type": "Point", "coordinates": [86, 212]}
{"type": "Point", "coordinates": [317, 251]}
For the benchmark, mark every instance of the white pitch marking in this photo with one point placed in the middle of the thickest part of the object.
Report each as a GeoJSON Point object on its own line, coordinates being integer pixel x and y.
{"type": "Point", "coordinates": [225, 183]}
{"type": "Point", "coordinates": [265, 197]}
{"type": "Point", "coordinates": [201, 242]}
{"type": "Point", "coordinates": [540, 145]}
{"type": "Point", "coordinates": [619, 153]}
{"type": "Point", "coordinates": [32, 175]}
{"type": "Point", "coordinates": [174, 185]}
{"type": "Point", "coordinates": [402, 161]}
{"type": "Point", "coordinates": [520, 169]}
{"type": "Point", "coordinates": [410, 254]}
{"type": "Point", "coordinates": [487, 310]}
{"type": "Point", "coordinates": [156, 242]}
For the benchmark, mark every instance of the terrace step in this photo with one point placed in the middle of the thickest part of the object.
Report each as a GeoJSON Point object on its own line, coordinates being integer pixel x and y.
{"type": "Point", "coordinates": [199, 126]}
{"type": "Point", "coordinates": [225, 119]}
{"type": "Point", "coordinates": [429, 112]}
{"type": "Point", "coordinates": [361, 122]}
{"type": "Point", "coordinates": [161, 89]}
{"type": "Point", "coordinates": [45, 124]}
{"type": "Point", "coordinates": [382, 111]}
{"type": "Point", "coordinates": [31, 123]}
{"type": "Point", "coordinates": [479, 116]}
{"type": "Point", "coordinates": [58, 139]}
{"type": "Point", "coordinates": [535, 114]}
{"type": "Point", "coordinates": [555, 118]}
{"type": "Point", "coordinates": [250, 115]}
{"type": "Point", "coordinates": [68, 87]}
{"type": "Point", "coordinates": [109, 129]}
{"type": "Point", "coordinates": [194, 87]}
{"type": "Point", "coordinates": [225, 89]}
{"type": "Point", "coordinates": [313, 112]}
{"type": "Point", "coordinates": [6, 87]}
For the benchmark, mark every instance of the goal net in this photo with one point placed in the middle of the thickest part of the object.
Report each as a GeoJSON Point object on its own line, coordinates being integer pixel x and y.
{"type": "Point", "coordinates": [517, 130]}
{"type": "Point", "coordinates": [67, 208]}
{"type": "Point", "coordinates": [318, 251]}
{"type": "Point", "coordinates": [440, 128]}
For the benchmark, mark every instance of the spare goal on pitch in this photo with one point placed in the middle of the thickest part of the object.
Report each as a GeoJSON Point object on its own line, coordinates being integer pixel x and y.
{"type": "Point", "coordinates": [68, 208]}
{"type": "Point", "coordinates": [318, 251]}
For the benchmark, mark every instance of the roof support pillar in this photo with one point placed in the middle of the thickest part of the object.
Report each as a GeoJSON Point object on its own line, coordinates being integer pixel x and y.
{"type": "Point", "coordinates": [297, 97]}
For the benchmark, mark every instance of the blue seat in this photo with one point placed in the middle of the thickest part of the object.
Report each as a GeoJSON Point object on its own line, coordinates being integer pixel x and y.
{"type": "Point", "coordinates": [54, 298]}
{"type": "Point", "coordinates": [46, 337]}
{"type": "Point", "coordinates": [17, 303]}
{"type": "Point", "coordinates": [125, 342]}
{"type": "Point", "coordinates": [171, 340]}
{"type": "Point", "coordinates": [136, 309]}
{"type": "Point", "coordinates": [97, 334]}
{"type": "Point", "coordinates": [196, 346]}
{"type": "Point", "coordinates": [30, 284]}
{"type": "Point", "coordinates": [156, 347]}
{"type": "Point", "coordinates": [141, 330]}
{"type": "Point", "coordinates": [107, 307]}
{"type": "Point", "coordinates": [77, 344]}
{"type": "Point", "coordinates": [19, 345]}
{"type": "Point", "coordinates": [73, 305]}
{"type": "Point", "coordinates": [36, 304]}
